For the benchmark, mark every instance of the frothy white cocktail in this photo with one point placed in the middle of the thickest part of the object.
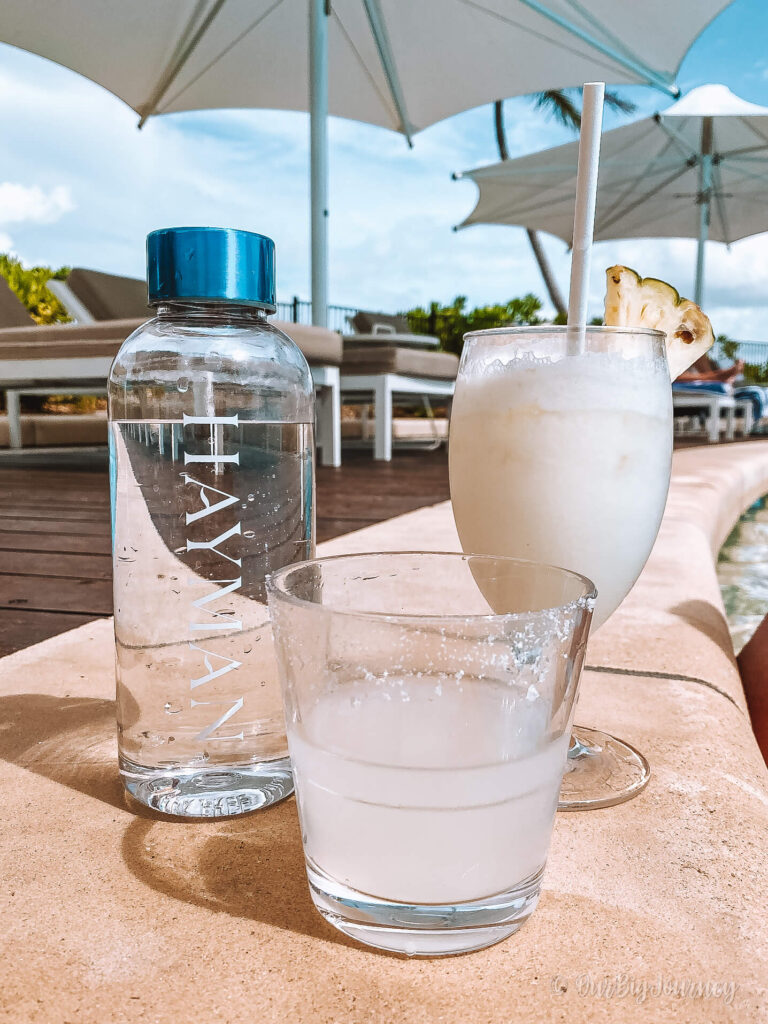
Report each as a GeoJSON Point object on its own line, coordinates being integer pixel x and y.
{"type": "Point", "coordinates": [562, 458]}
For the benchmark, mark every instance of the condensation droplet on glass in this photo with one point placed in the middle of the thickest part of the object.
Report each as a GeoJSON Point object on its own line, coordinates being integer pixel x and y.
{"type": "Point", "coordinates": [171, 709]}
{"type": "Point", "coordinates": [249, 534]}
{"type": "Point", "coordinates": [156, 488]}
{"type": "Point", "coordinates": [251, 497]}
{"type": "Point", "coordinates": [154, 739]}
{"type": "Point", "coordinates": [183, 384]}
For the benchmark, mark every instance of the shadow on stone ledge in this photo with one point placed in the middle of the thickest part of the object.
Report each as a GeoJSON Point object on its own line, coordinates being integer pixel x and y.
{"type": "Point", "coordinates": [709, 620]}
{"type": "Point", "coordinates": [70, 740]}
{"type": "Point", "coordinates": [250, 867]}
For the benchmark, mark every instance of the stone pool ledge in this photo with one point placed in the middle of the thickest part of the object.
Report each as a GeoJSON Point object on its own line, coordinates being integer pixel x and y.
{"type": "Point", "coordinates": [652, 911]}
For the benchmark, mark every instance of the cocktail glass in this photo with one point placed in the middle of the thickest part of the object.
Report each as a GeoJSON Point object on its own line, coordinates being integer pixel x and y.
{"type": "Point", "coordinates": [428, 702]}
{"type": "Point", "coordinates": [561, 453]}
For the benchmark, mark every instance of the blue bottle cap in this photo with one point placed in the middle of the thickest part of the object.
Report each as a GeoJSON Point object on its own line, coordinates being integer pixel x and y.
{"type": "Point", "coordinates": [211, 265]}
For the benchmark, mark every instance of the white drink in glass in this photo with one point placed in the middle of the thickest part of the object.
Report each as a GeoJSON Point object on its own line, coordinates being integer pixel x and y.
{"type": "Point", "coordinates": [428, 734]}
{"type": "Point", "coordinates": [563, 460]}
{"type": "Point", "coordinates": [426, 791]}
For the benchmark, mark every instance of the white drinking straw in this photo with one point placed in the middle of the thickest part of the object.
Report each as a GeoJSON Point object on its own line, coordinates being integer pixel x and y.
{"type": "Point", "coordinates": [584, 212]}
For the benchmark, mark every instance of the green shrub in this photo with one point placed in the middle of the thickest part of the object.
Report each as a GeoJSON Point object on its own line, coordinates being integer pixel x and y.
{"type": "Point", "coordinates": [451, 323]}
{"type": "Point", "coordinates": [728, 347]}
{"type": "Point", "coordinates": [29, 284]}
{"type": "Point", "coordinates": [756, 373]}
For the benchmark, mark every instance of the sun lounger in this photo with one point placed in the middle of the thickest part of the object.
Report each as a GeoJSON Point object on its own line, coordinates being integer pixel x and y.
{"type": "Point", "coordinates": [745, 415]}
{"type": "Point", "coordinates": [383, 374]}
{"type": "Point", "coordinates": [387, 329]}
{"type": "Point", "coordinates": [385, 362]}
{"type": "Point", "coordinates": [91, 296]}
{"type": "Point", "coordinates": [753, 400]}
{"type": "Point", "coordinates": [710, 399]}
{"type": "Point", "coordinates": [75, 359]}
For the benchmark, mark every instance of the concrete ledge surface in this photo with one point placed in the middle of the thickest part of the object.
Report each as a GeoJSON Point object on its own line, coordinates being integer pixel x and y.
{"type": "Point", "coordinates": [652, 911]}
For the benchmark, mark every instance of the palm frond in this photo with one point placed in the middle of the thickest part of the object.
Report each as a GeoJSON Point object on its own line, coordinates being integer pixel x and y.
{"type": "Point", "coordinates": [559, 105]}
{"type": "Point", "coordinates": [566, 110]}
{"type": "Point", "coordinates": [616, 102]}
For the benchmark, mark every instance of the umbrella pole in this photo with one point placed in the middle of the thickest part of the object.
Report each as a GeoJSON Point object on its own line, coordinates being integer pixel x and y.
{"type": "Point", "coordinates": [705, 204]}
{"type": "Point", "coordinates": [318, 157]}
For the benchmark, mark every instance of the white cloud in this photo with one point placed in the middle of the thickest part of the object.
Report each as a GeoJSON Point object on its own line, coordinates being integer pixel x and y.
{"type": "Point", "coordinates": [32, 203]}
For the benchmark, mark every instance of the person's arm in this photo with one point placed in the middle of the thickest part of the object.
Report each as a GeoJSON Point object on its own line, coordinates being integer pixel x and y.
{"type": "Point", "coordinates": [698, 375]}
{"type": "Point", "coordinates": [723, 376]}
{"type": "Point", "coordinates": [753, 665]}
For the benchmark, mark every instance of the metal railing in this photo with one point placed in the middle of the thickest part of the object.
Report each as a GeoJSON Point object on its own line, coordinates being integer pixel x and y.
{"type": "Point", "coordinates": [299, 311]}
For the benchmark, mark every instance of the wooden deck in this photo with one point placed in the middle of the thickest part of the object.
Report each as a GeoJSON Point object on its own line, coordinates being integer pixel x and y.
{"type": "Point", "coordinates": [55, 563]}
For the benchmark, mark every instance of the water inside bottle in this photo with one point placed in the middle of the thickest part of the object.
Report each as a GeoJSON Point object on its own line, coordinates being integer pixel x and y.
{"type": "Point", "coordinates": [204, 508]}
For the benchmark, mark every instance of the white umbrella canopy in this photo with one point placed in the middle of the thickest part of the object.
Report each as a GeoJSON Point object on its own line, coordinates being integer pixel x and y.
{"type": "Point", "coordinates": [446, 55]}
{"type": "Point", "coordinates": [697, 170]}
{"type": "Point", "coordinates": [402, 64]}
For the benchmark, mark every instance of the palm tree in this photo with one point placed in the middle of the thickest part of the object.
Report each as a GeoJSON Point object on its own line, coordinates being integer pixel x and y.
{"type": "Point", "coordinates": [562, 106]}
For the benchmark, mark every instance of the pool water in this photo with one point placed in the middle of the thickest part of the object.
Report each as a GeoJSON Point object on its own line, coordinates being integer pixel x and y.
{"type": "Point", "coordinates": [742, 570]}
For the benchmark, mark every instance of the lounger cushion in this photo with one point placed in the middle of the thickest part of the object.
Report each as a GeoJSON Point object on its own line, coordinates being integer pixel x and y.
{"type": "Point", "coordinates": [364, 323]}
{"type": "Point", "coordinates": [47, 430]}
{"type": "Point", "coordinates": [12, 312]}
{"type": "Point", "coordinates": [320, 346]}
{"type": "Point", "coordinates": [65, 341]}
{"type": "Point", "coordinates": [403, 340]}
{"type": "Point", "coordinates": [362, 358]}
{"type": "Point", "coordinates": [83, 428]}
{"type": "Point", "coordinates": [108, 296]}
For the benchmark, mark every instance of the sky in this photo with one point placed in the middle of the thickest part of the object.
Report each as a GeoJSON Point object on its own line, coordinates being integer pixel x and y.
{"type": "Point", "coordinates": [79, 185]}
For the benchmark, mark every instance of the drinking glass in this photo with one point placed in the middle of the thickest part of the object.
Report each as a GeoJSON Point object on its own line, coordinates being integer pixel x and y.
{"type": "Point", "coordinates": [428, 702]}
{"type": "Point", "coordinates": [561, 452]}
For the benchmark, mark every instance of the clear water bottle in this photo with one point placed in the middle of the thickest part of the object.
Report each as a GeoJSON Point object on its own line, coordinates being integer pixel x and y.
{"type": "Point", "coordinates": [212, 477]}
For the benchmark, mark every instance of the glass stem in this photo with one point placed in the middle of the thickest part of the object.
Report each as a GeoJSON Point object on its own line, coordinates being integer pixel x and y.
{"type": "Point", "coordinates": [579, 749]}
